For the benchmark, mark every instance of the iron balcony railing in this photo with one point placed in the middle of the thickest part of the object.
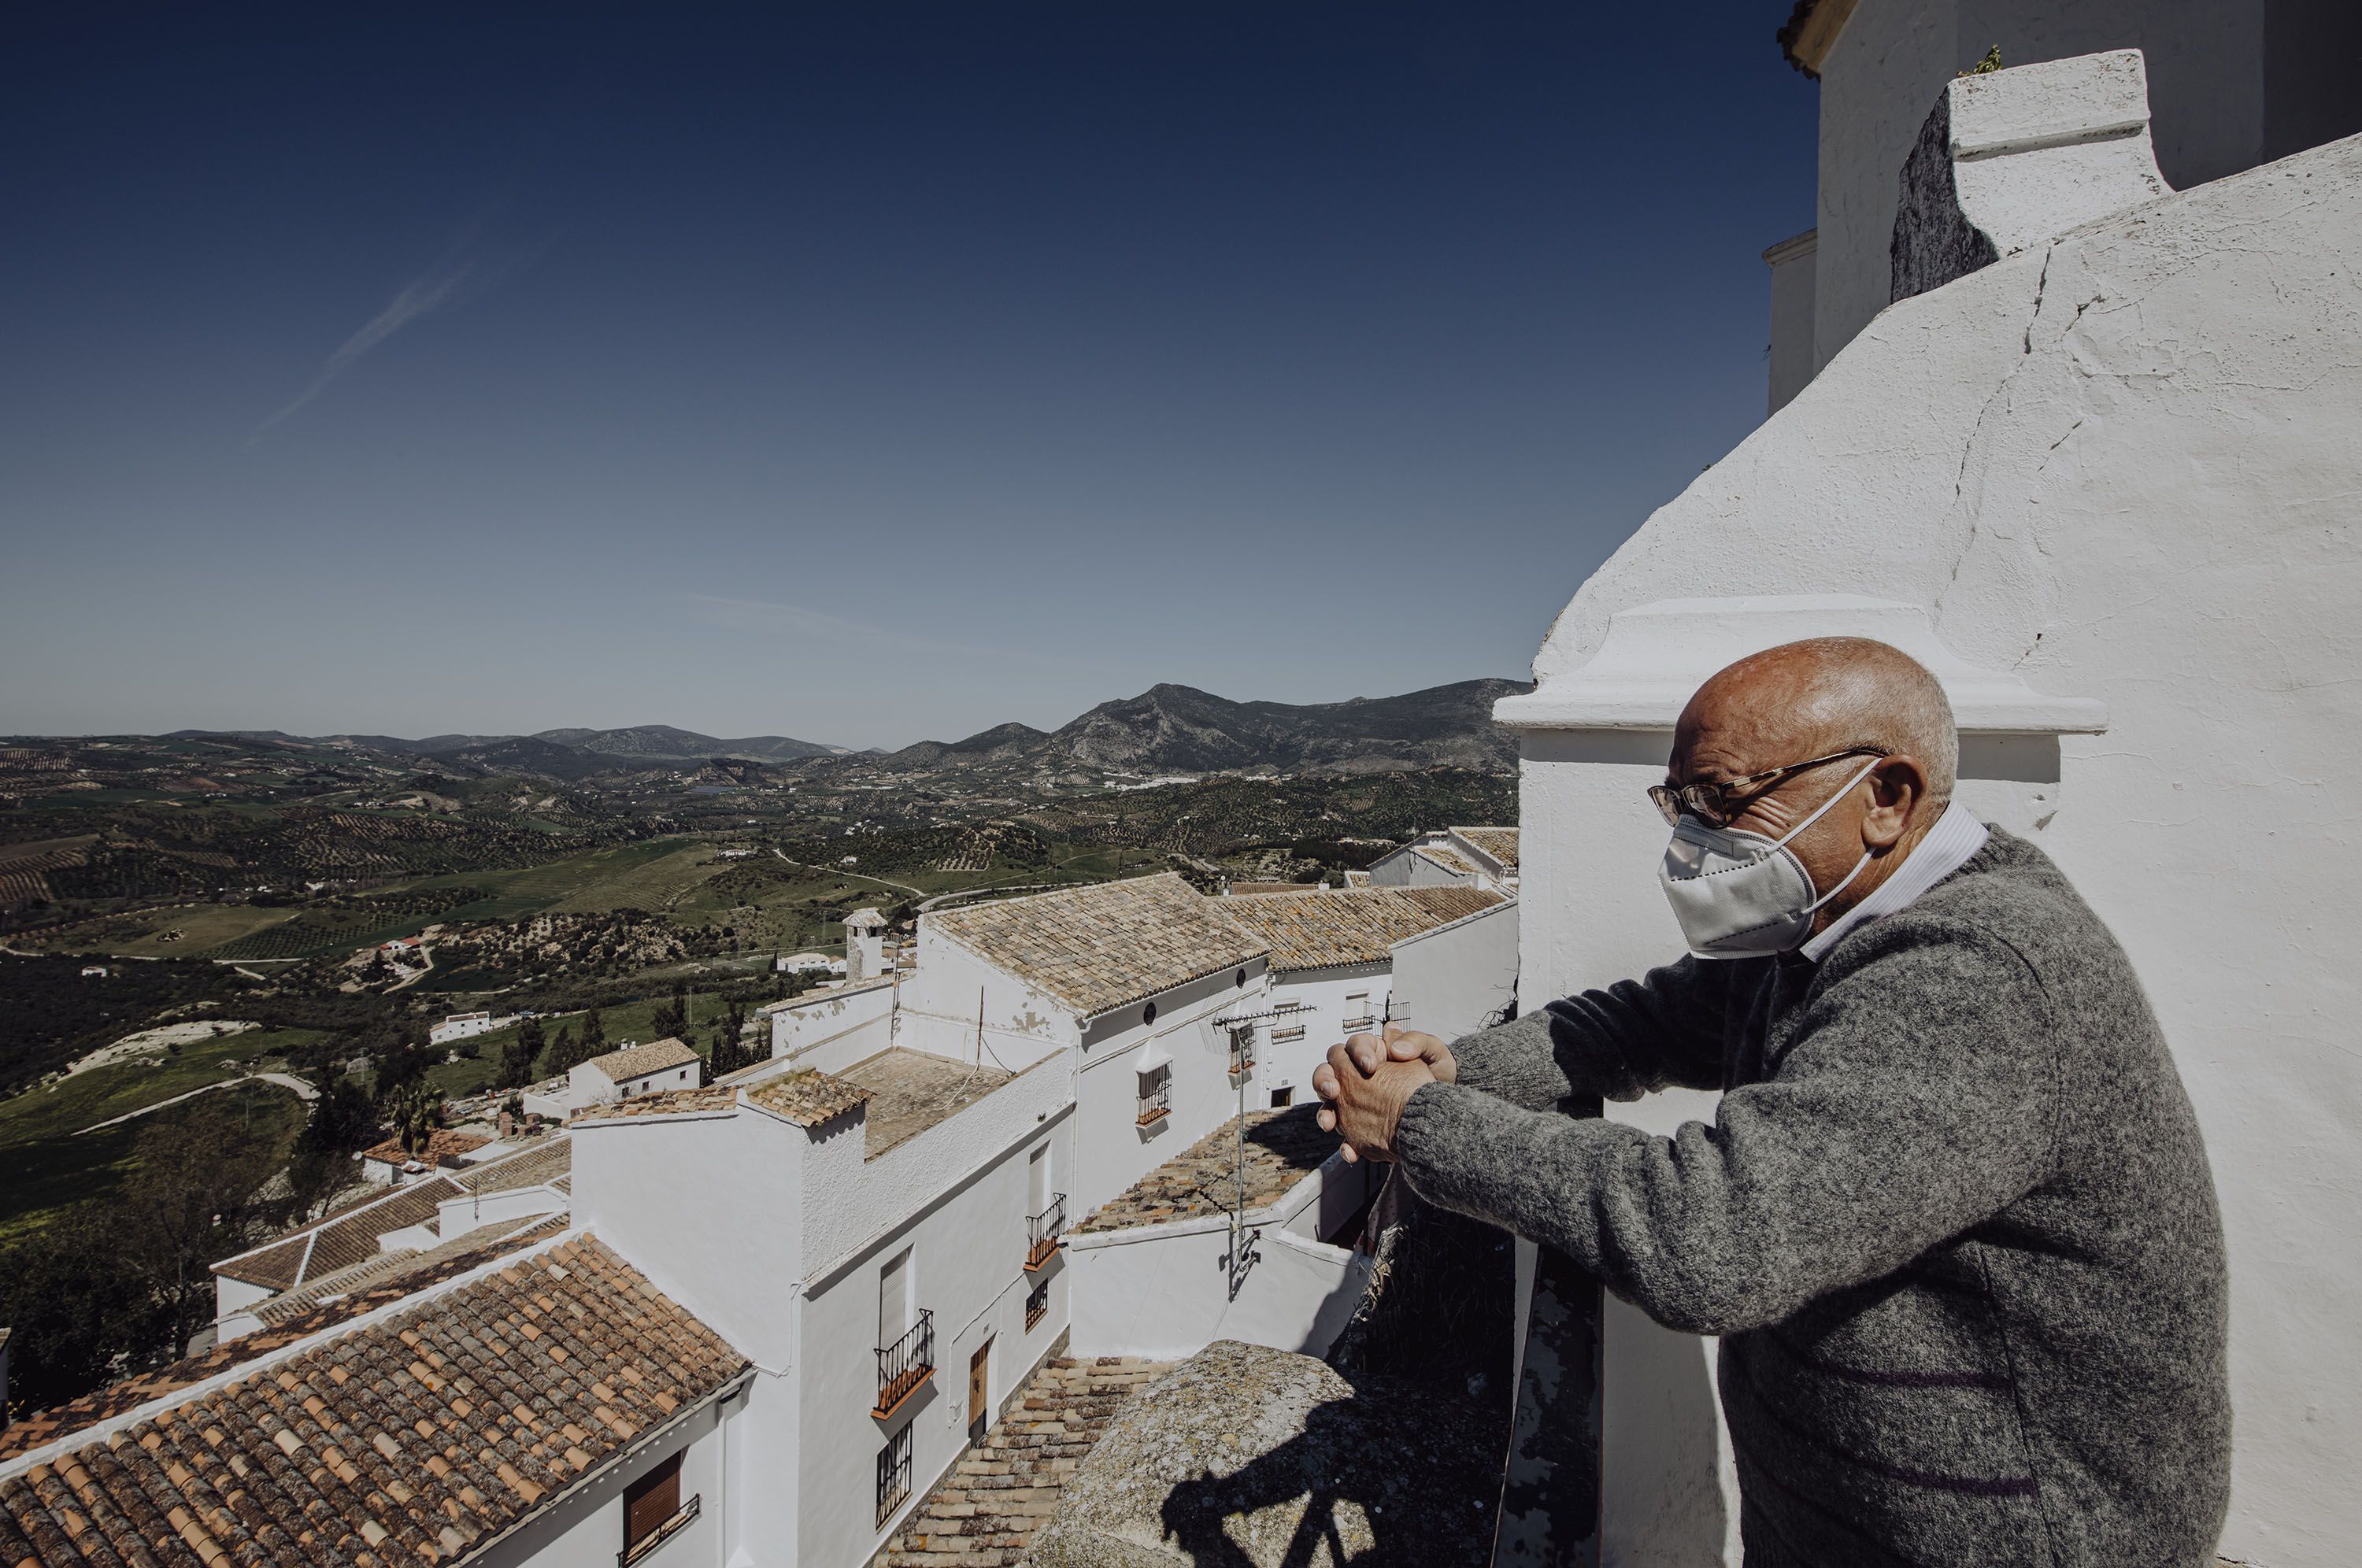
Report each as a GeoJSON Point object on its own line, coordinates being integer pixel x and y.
{"type": "Point", "coordinates": [1042, 1232]}
{"type": "Point", "coordinates": [905, 1364]}
{"type": "Point", "coordinates": [681, 1519]}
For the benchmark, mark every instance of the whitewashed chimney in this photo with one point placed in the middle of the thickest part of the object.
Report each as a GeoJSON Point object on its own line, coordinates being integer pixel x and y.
{"type": "Point", "coordinates": [2010, 160]}
{"type": "Point", "coordinates": [864, 946]}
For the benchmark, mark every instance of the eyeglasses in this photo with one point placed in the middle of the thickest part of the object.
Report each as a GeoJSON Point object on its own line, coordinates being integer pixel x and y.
{"type": "Point", "coordinates": [1719, 803]}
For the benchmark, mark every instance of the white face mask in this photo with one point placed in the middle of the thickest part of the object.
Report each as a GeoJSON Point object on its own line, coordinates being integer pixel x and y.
{"type": "Point", "coordinates": [1741, 895]}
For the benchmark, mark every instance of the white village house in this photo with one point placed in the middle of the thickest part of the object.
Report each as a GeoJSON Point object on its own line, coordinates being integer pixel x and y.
{"type": "Point", "coordinates": [1483, 858]}
{"type": "Point", "coordinates": [629, 1071]}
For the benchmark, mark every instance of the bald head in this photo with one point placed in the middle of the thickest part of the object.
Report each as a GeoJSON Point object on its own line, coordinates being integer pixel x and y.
{"type": "Point", "coordinates": [1824, 695]}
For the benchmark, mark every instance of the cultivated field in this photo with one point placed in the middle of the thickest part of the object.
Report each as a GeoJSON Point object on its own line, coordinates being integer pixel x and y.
{"type": "Point", "coordinates": [45, 1164]}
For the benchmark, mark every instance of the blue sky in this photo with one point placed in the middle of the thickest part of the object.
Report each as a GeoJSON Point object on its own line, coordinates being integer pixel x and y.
{"type": "Point", "coordinates": [862, 373]}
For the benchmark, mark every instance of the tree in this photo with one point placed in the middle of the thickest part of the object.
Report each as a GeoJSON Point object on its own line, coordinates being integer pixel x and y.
{"type": "Point", "coordinates": [515, 1070]}
{"type": "Point", "coordinates": [594, 1031]}
{"type": "Point", "coordinates": [416, 1111]}
{"type": "Point", "coordinates": [79, 1307]}
{"type": "Point", "coordinates": [193, 1195]}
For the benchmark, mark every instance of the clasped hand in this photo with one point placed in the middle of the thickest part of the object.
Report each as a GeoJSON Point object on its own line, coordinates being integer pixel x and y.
{"type": "Point", "coordinates": [1366, 1082]}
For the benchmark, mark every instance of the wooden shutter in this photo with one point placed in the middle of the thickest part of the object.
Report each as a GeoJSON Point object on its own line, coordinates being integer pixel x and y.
{"type": "Point", "coordinates": [650, 1500]}
{"type": "Point", "coordinates": [979, 1384]}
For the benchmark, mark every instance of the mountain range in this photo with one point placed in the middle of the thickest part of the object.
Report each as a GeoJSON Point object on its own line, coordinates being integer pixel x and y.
{"type": "Point", "coordinates": [1174, 729]}
{"type": "Point", "coordinates": [1165, 730]}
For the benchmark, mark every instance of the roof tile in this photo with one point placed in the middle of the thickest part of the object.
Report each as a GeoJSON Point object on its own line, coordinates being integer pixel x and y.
{"type": "Point", "coordinates": [638, 1061]}
{"type": "Point", "coordinates": [1098, 947]}
{"type": "Point", "coordinates": [1352, 926]}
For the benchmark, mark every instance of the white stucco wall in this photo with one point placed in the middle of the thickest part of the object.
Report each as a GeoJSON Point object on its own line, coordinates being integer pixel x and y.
{"type": "Point", "coordinates": [712, 1208]}
{"type": "Point", "coordinates": [2206, 80]}
{"type": "Point", "coordinates": [966, 1240]}
{"type": "Point", "coordinates": [952, 988]}
{"type": "Point", "coordinates": [586, 1529]}
{"type": "Point", "coordinates": [1793, 273]}
{"type": "Point", "coordinates": [1324, 1009]}
{"type": "Point", "coordinates": [832, 1030]}
{"type": "Point", "coordinates": [2121, 468]}
{"type": "Point", "coordinates": [1112, 1150]}
{"type": "Point", "coordinates": [1458, 978]}
{"type": "Point", "coordinates": [1161, 1290]}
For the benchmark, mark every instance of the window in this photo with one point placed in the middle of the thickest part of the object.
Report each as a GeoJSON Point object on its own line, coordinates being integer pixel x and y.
{"type": "Point", "coordinates": [652, 1511]}
{"type": "Point", "coordinates": [894, 1297]}
{"type": "Point", "coordinates": [1243, 1057]}
{"type": "Point", "coordinates": [1148, 1013]}
{"type": "Point", "coordinates": [1155, 1094]}
{"type": "Point", "coordinates": [893, 1474]}
{"type": "Point", "coordinates": [1283, 1098]}
{"type": "Point", "coordinates": [1292, 1032]}
{"type": "Point", "coordinates": [1037, 1304]}
{"type": "Point", "coordinates": [1358, 1015]}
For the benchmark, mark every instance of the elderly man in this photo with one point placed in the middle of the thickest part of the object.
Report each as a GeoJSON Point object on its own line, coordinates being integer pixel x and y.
{"type": "Point", "coordinates": [1953, 1220]}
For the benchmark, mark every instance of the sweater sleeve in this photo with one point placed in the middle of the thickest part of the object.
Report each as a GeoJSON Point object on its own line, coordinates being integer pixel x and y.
{"type": "Point", "coordinates": [1662, 1031]}
{"type": "Point", "coordinates": [1917, 1098]}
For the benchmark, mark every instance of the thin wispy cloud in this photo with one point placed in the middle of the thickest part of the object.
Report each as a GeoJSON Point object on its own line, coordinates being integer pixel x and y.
{"type": "Point", "coordinates": [451, 281]}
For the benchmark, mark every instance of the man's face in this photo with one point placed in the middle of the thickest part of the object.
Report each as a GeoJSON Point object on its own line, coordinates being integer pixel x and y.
{"type": "Point", "coordinates": [1749, 720]}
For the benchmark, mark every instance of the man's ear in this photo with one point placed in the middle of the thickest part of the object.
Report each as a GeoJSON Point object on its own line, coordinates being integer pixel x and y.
{"type": "Point", "coordinates": [1898, 787]}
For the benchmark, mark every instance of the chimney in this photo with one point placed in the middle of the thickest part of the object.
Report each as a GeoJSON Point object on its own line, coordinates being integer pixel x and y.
{"type": "Point", "coordinates": [2010, 160]}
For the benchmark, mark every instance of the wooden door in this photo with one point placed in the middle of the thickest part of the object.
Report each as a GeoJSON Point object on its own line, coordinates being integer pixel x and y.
{"type": "Point", "coordinates": [979, 1391]}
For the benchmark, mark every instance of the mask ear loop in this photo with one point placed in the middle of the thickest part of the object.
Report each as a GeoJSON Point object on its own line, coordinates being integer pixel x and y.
{"type": "Point", "coordinates": [1843, 790]}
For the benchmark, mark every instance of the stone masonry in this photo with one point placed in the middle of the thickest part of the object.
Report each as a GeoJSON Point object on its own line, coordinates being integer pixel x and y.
{"type": "Point", "coordinates": [985, 1513]}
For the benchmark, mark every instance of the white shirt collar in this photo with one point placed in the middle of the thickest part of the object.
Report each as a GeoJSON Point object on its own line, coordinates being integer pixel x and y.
{"type": "Point", "coordinates": [1956, 837]}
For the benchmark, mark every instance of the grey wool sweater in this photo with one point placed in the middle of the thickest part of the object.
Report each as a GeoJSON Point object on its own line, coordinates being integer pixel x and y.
{"type": "Point", "coordinates": [1953, 1221]}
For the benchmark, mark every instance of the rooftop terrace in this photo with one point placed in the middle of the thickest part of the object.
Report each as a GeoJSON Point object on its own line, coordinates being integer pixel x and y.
{"type": "Point", "coordinates": [910, 1092]}
{"type": "Point", "coordinates": [1282, 1148]}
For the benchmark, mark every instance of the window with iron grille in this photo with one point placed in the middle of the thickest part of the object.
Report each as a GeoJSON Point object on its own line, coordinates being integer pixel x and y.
{"type": "Point", "coordinates": [1293, 1032]}
{"type": "Point", "coordinates": [1155, 1095]}
{"type": "Point", "coordinates": [1037, 1305]}
{"type": "Point", "coordinates": [893, 1474]}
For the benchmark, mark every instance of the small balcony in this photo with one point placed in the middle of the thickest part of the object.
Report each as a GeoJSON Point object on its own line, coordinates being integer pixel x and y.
{"type": "Point", "coordinates": [1156, 1101]}
{"type": "Point", "coordinates": [1242, 1056]}
{"type": "Point", "coordinates": [1042, 1233]}
{"type": "Point", "coordinates": [904, 1367]}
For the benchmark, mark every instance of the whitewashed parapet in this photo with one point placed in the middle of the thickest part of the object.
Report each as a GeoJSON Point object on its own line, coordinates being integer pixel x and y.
{"type": "Point", "coordinates": [2012, 160]}
{"type": "Point", "coordinates": [1655, 656]}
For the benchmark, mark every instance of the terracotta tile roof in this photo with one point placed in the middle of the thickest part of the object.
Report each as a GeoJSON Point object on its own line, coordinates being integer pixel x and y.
{"type": "Point", "coordinates": [1353, 925]}
{"type": "Point", "coordinates": [1499, 843]}
{"type": "Point", "coordinates": [411, 1268]}
{"type": "Point", "coordinates": [671, 1102]}
{"type": "Point", "coordinates": [1357, 878]}
{"type": "Point", "coordinates": [444, 1147]}
{"type": "Point", "coordinates": [1282, 1148]}
{"type": "Point", "coordinates": [1451, 859]}
{"type": "Point", "coordinates": [413, 1440]}
{"type": "Point", "coordinates": [638, 1061]}
{"type": "Point", "coordinates": [418, 1273]}
{"type": "Point", "coordinates": [1447, 904]}
{"type": "Point", "coordinates": [1253, 887]}
{"type": "Point", "coordinates": [340, 1241]}
{"type": "Point", "coordinates": [538, 1164]}
{"type": "Point", "coordinates": [807, 1099]}
{"type": "Point", "coordinates": [1097, 948]}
